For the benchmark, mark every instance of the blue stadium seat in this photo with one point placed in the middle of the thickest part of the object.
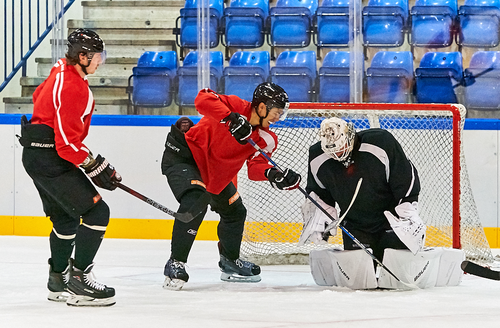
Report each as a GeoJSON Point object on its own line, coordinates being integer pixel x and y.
{"type": "Point", "coordinates": [384, 23]}
{"type": "Point", "coordinates": [187, 76]}
{"type": "Point", "coordinates": [244, 23]}
{"type": "Point", "coordinates": [246, 70]}
{"type": "Point", "coordinates": [389, 79]}
{"type": "Point", "coordinates": [153, 79]}
{"type": "Point", "coordinates": [432, 23]}
{"type": "Point", "coordinates": [334, 77]}
{"type": "Point", "coordinates": [479, 22]}
{"type": "Point", "coordinates": [186, 35]}
{"type": "Point", "coordinates": [438, 76]}
{"type": "Point", "coordinates": [482, 81]}
{"type": "Point", "coordinates": [295, 71]}
{"type": "Point", "coordinates": [332, 24]}
{"type": "Point", "coordinates": [291, 23]}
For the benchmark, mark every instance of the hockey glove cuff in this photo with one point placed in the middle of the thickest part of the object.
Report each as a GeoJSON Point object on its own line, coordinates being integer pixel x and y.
{"type": "Point", "coordinates": [239, 127]}
{"type": "Point", "coordinates": [101, 172]}
{"type": "Point", "coordinates": [286, 180]}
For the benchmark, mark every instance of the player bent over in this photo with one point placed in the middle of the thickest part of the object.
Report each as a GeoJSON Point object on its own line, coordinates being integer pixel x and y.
{"type": "Point", "coordinates": [52, 154]}
{"type": "Point", "coordinates": [384, 214]}
{"type": "Point", "coordinates": [200, 165]}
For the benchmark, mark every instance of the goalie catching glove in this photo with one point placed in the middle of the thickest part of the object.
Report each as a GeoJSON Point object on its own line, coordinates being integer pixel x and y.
{"type": "Point", "coordinates": [101, 172]}
{"type": "Point", "coordinates": [315, 221]}
{"type": "Point", "coordinates": [409, 227]}
{"type": "Point", "coordinates": [286, 180]}
{"type": "Point", "coordinates": [239, 127]}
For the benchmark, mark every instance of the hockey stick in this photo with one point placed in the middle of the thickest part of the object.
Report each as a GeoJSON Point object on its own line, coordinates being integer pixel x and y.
{"type": "Point", "coordinates": [335, 224]}
{"type": "Point", "coordinates": [183, 217]}
{"type": "Point", "coordinates": [360, 245]}
{"type": "Point", "coordinates": [480, 271]}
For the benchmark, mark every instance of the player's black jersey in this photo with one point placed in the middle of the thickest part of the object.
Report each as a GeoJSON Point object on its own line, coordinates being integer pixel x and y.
{"type": "Point", "coordinates": [389, 178]}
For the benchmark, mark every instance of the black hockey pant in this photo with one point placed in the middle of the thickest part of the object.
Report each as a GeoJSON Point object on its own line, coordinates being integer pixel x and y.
{"type": "Point", "coordinates": [69, 198]}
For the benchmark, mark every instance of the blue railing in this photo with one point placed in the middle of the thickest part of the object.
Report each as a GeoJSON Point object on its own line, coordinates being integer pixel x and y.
{"type": "Point", "coordinates": [23, 24]}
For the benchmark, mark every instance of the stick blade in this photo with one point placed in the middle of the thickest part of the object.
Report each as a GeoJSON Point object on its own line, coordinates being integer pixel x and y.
{"type": "Point", "coordinates": [480, 271]}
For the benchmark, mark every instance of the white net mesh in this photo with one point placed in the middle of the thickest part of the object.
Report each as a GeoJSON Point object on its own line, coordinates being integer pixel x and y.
{"type": "Point", "coordinates": [426, 133]}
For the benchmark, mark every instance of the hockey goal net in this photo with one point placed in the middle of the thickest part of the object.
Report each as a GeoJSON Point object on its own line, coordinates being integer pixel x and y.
{"type": "Point", "coordinates": [431, 136]}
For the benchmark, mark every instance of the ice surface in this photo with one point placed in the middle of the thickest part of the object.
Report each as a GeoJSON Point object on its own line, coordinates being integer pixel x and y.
{"type": "Point", "coordinates": [286, 297]}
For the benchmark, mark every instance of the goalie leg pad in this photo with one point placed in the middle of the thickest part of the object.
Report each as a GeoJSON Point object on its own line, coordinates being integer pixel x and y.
{"type": "Point", "coordinates": [450, 273]}
{"type": "Point", "coordinates": [420, 269]}
{"type": "Point", "coordinates": [333, 267]}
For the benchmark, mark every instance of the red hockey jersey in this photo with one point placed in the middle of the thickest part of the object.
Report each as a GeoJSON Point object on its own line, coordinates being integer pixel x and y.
{"type": "Point", "coordinates": [218, 155]}
{"type": "Point", "coordinates": [65, 103]}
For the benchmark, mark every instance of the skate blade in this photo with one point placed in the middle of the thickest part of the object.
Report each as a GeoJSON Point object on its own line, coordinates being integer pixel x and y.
{"type": "Point", "coordinates": [173, 284]}
{"type": "Point", "coordinates": [81, 300]}
{"type": "Point", "coordinates": [233, 277]}
{"type": "Point", "coordinates": [58, 296]}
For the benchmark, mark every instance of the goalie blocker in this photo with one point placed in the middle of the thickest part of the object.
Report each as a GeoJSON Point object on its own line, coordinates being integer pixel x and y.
{"type": "Point", "coordinates": [433, 267]}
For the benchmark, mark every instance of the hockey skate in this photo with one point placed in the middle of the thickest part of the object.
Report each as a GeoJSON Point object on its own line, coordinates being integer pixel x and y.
{"type": "Point", "coordinates": [58, 284]}
{"type": "Point", "coordinates": [238, 270]}
{"type": "Point", "coordinates": [175, 275]}
{"type": "Point", "coordinates": [85, 291]}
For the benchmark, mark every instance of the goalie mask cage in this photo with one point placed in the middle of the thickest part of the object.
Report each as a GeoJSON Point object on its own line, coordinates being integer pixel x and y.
{"type": "Point", "coordinates": [430, 135]}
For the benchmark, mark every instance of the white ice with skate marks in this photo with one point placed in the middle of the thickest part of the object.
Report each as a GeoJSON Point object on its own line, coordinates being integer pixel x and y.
{"type": "Point", "coordinates": [286, 297]}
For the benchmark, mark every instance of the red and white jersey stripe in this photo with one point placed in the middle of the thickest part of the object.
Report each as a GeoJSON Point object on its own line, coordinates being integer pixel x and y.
{"type": "Point", "coordinates": [65, 102]}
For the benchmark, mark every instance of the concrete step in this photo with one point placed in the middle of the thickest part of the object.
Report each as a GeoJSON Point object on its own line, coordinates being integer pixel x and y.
{"type": "Point", "coordinates": [114, 67]}
{"type": "Point", "coordinates": [132, 10]}
{"type": "Point", "coordinates": [23, 105]}
{"type": "Point", "coordinates": [102, 87]}
{"type": "Point", "coordinates": [127, 30]}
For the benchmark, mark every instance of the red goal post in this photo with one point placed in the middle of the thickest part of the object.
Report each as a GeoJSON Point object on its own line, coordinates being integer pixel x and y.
{"type": "Point", "coordinates": [431, 136]}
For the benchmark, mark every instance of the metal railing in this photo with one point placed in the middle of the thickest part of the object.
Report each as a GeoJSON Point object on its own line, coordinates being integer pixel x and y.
{"type": "Point", "coordinates": [26, 24]}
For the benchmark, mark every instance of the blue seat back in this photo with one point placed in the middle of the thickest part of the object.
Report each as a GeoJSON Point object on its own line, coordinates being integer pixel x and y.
{"type": "Point", "coordinates": [332, 23]}
{"type": "Point", "coordinates": [153, 79]}
{"type": "Point", "coordinates": [333, 77]}
{"type": "Point", "coordinates": [295, 71]}
{"type": "Point", "coordinates": [384, 22]}
{"type": "Point", "coordinates": [479, 22]}
{"type": "Point", "coordinates": [291, 22]}
{"type": "Point", "coordinates": [390, 77]}
{"type": "Point", "coordinates": [246, 70]}
{"type": "Point", "coordinates": [432, 23]}
{"type": "Point", "coordinates": [187, 76]}
{"type": "Point", "coordinates": [189, 19]}
{"type": "Point", "coordinates": [437, 77]}
{"type": "Point", "coordinates": [245, 23]}
{"type": "Point", "coordinates": [482, 81]}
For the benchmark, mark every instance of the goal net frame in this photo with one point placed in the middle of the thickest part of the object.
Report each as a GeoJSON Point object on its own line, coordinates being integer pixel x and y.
{"type": "Point", "coordinates": [258, 246]}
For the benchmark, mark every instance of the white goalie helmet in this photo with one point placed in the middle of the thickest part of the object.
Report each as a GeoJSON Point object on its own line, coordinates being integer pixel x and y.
{"type": "Point", "coordinates": [337, 138]}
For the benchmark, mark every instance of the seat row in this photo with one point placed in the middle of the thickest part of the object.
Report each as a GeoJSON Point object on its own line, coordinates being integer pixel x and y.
{"type": "Point", "coordinates": [440, 78]}
{"type": "Point", "coordinates": [293, 23]}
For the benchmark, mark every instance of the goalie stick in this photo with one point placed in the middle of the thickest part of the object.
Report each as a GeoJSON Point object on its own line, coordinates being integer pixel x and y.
{"type": "Point", "coordinates": [480, 271]}
{"type": "Point", "coordinates": [183, 217]}
{"type": "Point", "coordinates": [360, 245]}
{"type": "Point", "coordinates": [335, 224]}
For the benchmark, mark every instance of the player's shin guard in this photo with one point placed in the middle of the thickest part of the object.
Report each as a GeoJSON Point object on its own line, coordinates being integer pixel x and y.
{"type": "Point", "coordinates": [86, 291]}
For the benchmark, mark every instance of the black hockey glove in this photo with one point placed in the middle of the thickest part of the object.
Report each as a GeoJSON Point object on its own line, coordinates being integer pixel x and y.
{"type": "Point", "coordinates": [286, 180]}
{"type": "Point", "coordinates": [238, 126]}
{"type": "Point", "coordinates": [101, 173]}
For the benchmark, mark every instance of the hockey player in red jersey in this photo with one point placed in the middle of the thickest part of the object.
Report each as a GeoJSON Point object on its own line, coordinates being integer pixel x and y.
{"type": "Point", "coordinates": [200, 165]}
{"type": "Point", "coordinates": [53, 154]}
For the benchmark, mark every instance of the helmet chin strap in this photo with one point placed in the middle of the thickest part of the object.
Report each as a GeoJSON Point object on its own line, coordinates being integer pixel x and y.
{"type": "Point", "coordinates": [84, 68]}
{"type": "Point", "coordinates": [261, 121]}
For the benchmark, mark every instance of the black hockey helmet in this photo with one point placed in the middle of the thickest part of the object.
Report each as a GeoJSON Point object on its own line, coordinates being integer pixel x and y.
{"type": "Point", "coordinates": [84, 40]}
{"type": "Point", "coordinates": [272, 95]}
